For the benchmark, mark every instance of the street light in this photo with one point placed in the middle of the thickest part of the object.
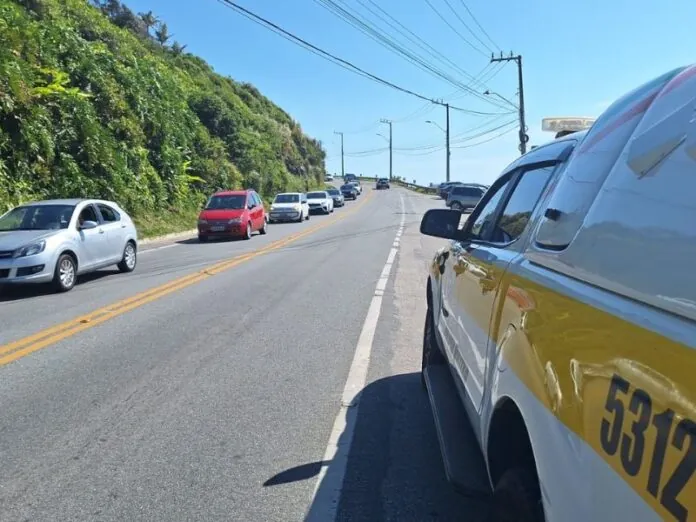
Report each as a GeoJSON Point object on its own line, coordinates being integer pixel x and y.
{"type": "Point", "coordinates": [489, 93]}
{"type": "Point", "coordinates": [436, 124]}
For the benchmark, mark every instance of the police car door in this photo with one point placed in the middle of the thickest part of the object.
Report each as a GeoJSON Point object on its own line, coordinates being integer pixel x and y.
{"type": "Point", "coordinates": [480, 260]}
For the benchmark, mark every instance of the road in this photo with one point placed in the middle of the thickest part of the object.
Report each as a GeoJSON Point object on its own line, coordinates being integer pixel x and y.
{"type": "Point", "coordinates": [211, 383]}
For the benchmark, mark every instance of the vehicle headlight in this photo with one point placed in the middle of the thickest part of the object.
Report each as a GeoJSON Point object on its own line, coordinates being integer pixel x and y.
{"type": "Point", "coordinates": [31, 250]}
{"type": "Point", "coordinates": [202, 222]}
{"type": "Point", "coordinates": [297, 208]}
{"type": "Point", "coordinates": [235, 220]}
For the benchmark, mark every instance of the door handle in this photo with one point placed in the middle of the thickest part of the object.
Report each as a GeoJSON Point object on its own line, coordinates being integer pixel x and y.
{"type": "Point", "coordinates": [101, 231]}
{"type": "Point", "coordinates": [123, 226]}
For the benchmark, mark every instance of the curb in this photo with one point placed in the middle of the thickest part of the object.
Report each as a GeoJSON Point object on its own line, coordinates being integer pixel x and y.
{"type": "Point", "coordinates": [175, 235]}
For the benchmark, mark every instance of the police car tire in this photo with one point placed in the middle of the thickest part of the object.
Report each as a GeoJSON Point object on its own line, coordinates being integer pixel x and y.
{"type": "Point", "coordinates": [517, 497]}
{"type": "Point", "coordinates": [431, 351]}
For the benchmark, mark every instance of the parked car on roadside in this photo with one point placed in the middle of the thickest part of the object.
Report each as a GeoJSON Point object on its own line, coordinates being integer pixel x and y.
{"type": "Point", "coordinates": [289, 206]}
{"type": "Point", "coordinates": [349, 191]}
{"type": "Point", "coordinates": [357, 185]}
{"type": "Point", "coordinates": [320, 201]}
{"type": "Point", "coordinates": [231, 214]}
{"type": "Point", "coordinates": [464, 197]}
{"type": "Point", "coordinates": [328, 178]}
{"type": "Point", "coordinates": [55, 241]}
{"type": "Point", "coordinates": [382, 183]}
{"type": "Point", "coordinates": [338, 198]}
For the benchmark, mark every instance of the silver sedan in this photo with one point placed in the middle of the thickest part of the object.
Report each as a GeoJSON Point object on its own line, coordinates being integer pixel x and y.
{"type": "Point", "coordinates": [55, 241]}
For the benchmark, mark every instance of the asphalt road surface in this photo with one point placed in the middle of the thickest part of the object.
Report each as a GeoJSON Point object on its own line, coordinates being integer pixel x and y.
{"type": "Point", "coordinates": [274, 379]}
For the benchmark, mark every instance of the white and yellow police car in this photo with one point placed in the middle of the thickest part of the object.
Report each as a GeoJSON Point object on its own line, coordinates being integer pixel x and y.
{"type": "Point", "coordinates": [559, 339]}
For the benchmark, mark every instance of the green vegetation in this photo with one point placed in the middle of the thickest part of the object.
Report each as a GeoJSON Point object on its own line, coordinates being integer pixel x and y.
{"type": "Point", "coordinates": [96, 102]}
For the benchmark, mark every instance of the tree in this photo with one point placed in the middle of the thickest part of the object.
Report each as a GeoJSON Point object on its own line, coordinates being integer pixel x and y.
{"type": "Point", "coordinates": [149, 19]}
{"type": "Point", "coordinates": [162, 34]}
{"type": "Point", "coordinates": [177, 48]}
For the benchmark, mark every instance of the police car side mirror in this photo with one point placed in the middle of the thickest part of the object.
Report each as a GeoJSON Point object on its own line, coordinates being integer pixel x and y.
{"type": "Point", "coordinates": [440, 222]}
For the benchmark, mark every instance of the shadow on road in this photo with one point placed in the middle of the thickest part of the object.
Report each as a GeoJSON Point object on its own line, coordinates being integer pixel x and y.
{"type": "Point", "coordinates": [15, 292]}
{"type": "Point", "coordinates": [394, 469]}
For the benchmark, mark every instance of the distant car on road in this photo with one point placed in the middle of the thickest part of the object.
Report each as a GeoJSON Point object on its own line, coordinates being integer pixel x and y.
{"type": "Point", "coordinates": [349, 191]}
{"type": "Point", "coordinates": [357, 185]}
{"type": "Point", "coordinates": [382, 183]}
{"type": "Point", "coordinates": [320, 201]}
{"type": "Point", "coordinates": [350, 177]}
{"type": "Point", "coordinates": [464, 197]}
{"type": "Point", "coordinates": [55, 241]}
{"type": "Point", "coordinates": [338, 198]}
{"type": "Point", "coordinates": [289, 206]}
{"type": "Point", "coordinates": [232, 213]}
{"type": "Point", "coordinates": [328, 178]}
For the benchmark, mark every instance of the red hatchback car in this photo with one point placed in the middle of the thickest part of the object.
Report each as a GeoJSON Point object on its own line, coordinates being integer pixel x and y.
{"type": "Point", "coordinates": [232, 213]}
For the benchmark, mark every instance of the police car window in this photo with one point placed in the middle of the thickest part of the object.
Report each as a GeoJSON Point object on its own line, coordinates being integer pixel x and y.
{"type": "Point", "coordinates": [515, 216]}
{"type": "Point", "coordinates": [484, 221]}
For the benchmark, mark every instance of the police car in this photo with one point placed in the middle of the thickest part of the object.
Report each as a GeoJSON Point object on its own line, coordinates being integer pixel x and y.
{"type": "Point", "coordinates": [558, 349]}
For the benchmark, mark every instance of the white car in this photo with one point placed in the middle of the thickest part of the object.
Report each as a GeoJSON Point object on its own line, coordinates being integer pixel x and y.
{"type": "Point", "coordinates": [55, 241]}
{"type": "Point", "coordinates": [320, 201]}
{"type": "Point", "coordinates": [357, 185]}
{"type": "Point", "coordinates": [289, 206]}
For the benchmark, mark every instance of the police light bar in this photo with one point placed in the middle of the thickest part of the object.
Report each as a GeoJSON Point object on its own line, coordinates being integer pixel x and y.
{"type": "Point", "coordinates": [566, 124]}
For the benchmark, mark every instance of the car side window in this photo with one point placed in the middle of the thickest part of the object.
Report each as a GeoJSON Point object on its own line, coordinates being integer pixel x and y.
{"type": "Point", "coordinates": [88, 214]}
{"type": "Point", "coordinates": [108, 214]}
{"type": "Point", "coordinates": [520, 205]}
{"type": "Point", "coordinates": [483, 224]}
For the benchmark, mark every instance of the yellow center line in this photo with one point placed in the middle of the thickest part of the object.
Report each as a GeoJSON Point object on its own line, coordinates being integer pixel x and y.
{"type": "Point", "coordinates": [15, 350]}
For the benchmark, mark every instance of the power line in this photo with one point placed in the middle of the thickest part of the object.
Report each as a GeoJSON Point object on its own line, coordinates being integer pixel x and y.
{"type": "Point", "coordinates": [454, 29]}
{"type": "Point", "coordinates": [359, 22]}
{"type": "Point", "coordinates": [333, 58]}
{"type": "Point", "coordinates": [479, 25]}
{"type": "Point", "coordinates": [467, 26]}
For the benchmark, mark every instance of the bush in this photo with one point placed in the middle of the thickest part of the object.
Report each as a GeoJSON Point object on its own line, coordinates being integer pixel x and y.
{"type": "Point", "coordinates": [95, 103]}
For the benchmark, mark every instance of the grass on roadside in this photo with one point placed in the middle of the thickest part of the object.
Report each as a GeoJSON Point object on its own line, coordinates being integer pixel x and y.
{"type": "Point", "coordinates": [163, 223]}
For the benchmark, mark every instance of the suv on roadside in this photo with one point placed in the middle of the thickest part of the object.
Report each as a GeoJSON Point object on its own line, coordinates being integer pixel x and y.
{"type": "Point", "coordinates": [464, 197]}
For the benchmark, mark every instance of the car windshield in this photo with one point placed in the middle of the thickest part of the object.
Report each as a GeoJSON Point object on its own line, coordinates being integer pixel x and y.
{"type": "Point", "coordinates": [334, 192]}
{"type": "Point", "coordinates": [287, 198]}
{"type": "Point", "coordinates": [382, 180]}
{"type": "Point", "coordinates": [347, 187]}
{"type": "Point", "coordinates": [316, 195]}
{"type": "Point", "coordinates": [227, 202]}
{"type": "Point", "coordinates": [37, 217]}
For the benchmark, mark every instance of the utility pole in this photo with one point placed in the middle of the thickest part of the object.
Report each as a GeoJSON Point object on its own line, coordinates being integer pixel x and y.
{"type": "Point", "coordinates": [524, 137]}
{"type": "Point", "coordinates": [343, 169]}
{"type": "Point", "coordinates": [447, 142]}
{"type": "Point", "coordinates": [389, 122]}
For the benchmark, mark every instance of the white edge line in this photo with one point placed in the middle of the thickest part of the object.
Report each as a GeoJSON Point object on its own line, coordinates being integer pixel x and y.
{"type": "Point", "coordinates": [142, 252]}
{"type": "Point", "coordinates": [327, 490]}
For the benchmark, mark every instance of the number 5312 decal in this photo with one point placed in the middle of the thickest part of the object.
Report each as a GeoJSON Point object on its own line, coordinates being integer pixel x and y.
{"type": "Point", "coordinates": [658, 443]}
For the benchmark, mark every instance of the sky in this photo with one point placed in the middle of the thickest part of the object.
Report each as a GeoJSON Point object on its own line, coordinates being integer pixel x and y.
{"type": "Point", "coordinates": [577, 58]}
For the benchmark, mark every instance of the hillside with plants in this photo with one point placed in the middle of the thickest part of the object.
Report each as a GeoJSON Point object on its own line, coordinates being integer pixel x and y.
{"type": "Point", "coordinates": [99, 101]}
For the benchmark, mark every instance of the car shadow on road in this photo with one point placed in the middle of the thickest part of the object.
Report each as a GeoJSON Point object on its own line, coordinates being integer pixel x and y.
{"type": "Point", "coordinates": [394, 469]}
{"type": "Point", "coordinates": [17, 292]}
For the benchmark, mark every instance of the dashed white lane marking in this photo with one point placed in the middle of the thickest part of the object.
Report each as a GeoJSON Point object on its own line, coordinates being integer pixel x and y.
{"type": "Point", "coordinates": [142, 252]}
{"type": "Point", "coordinates": [327, 491]}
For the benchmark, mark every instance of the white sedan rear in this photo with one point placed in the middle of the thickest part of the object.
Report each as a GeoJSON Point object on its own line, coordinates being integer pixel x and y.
{"type": "Point", "coordinates": [320, 201]}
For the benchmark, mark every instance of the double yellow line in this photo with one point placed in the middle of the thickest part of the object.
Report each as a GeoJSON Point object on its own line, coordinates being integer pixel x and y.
{"type": "Point", "coordinates": [17, 349]}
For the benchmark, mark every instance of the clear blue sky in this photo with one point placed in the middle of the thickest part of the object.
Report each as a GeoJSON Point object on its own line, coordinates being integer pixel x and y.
{"type": "Point", "coordinates": [578, 57]}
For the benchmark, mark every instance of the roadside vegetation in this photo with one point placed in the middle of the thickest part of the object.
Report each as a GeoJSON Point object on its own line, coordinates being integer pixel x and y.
{"type": "Point", "coordinates": [99, 101]}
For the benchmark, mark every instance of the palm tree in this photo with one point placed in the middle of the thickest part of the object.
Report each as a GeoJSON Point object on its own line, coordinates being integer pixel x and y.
{"type": "Point", "coordinates": [177, 48]}
{"type": "Point", "coordinates": [162, 34]}
{"type": "Point", "coordinates": [149, 19]}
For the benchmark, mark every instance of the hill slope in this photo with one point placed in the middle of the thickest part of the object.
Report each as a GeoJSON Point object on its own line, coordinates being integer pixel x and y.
{"type": "Point", "coordinates": [92, 105]}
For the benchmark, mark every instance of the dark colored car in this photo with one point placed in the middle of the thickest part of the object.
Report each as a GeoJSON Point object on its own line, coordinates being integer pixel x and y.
{"type": "Point", "coordinates": [349, 191]}
{"type": "Point", "coordinates": [382, 183]}
{"type": "Point", "coordinates": [338, 197]}
{"type": "Point", "coordinates": [350, 177]}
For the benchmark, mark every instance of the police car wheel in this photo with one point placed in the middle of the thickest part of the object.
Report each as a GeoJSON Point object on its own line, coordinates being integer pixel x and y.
{"type": "Point", "coordinates": [517, 498]}
{"type": "Point", "coordinates": [431, 351]}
